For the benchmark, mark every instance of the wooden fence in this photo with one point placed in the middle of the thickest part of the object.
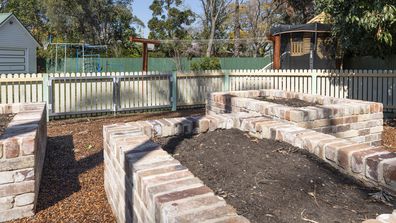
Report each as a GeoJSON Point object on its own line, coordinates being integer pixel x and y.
{"type": "Point", "coordinates": [68, 94]}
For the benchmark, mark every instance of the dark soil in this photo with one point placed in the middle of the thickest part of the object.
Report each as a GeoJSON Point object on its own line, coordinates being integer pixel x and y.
{"type": "Point", "coordinates": [72, 188]}
{"type": "Point", "coordinates": [271, 181]}
{"type": "Point", "coordinates": [5, 119]}
{"type": "Point", "coordinates": [292, 102]}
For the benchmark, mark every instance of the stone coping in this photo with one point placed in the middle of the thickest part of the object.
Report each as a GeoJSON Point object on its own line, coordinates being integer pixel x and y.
{"type": "Point", "coordinates": [137, 167]}
{"type": "Point", "coordinates": [22, 152]}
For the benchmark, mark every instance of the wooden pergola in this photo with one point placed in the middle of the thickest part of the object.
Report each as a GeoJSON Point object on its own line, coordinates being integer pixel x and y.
{"type": "Point", "coordinates": [145, 43]}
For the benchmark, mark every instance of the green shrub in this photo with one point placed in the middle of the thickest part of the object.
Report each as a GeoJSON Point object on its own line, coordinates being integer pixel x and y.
{"type": "Point", "coordinates": [206, 63]}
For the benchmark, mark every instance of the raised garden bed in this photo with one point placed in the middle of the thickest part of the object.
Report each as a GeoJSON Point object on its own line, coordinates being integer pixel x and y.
{"type": "Point", "coordinates": [355, 120]}
{"type": "Point", "coordinates": [164, 190]}
{"type": "Point", "coordinates": [272, 181]}
{"type": "Point", "coordinates": [22, 152]}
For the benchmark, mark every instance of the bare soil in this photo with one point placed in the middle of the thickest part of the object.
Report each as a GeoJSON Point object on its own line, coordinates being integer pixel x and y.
{"type": "Point", "coordinates": [5, 119]}
{"type": "Point", "coordinates": [72, 187]}
{"type": "Point", "coordinates": [292, 102]}
{"type": "Point", "coordinates": [271, 181]}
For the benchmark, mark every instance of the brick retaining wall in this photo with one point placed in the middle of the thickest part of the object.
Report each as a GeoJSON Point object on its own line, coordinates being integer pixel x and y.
{"type": "Point", "coordinates": [145, 184]}
{"type": "Point", "coordinates": [22, 152]}
{"type": "Point", "coordinates": [359, 121]}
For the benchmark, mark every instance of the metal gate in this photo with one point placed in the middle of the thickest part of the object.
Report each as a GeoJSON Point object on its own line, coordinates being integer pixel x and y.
{"type": "Point", "coordinates": [73, 95]}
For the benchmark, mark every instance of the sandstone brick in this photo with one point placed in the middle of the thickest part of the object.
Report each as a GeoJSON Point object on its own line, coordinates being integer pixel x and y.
{"type": "Point", "coordinates": [6, 203]}
{"type": "Point", "coordinates": [28, 145]}
{"type": "Point", "coordinates": [345, 154]}
{"type": "Point", "coordinates": [174, 196]}
{"type": "Point", "coordinates": [156, 127]}
{"type": "Point", "coordinates": [19, 212]}
{"type": "Point", "coordinates": [1, 151]}
{"type": "Point", "coordinates": [16, 188]}
{"type": "Point", "coordinates": [136, 159]}
{"type": "Point", "coordinates": [139, 175]}
{"type": "Point", "coordinates": [290, 136]}
{"type": "Point", "coordinates": [207, 214]}
{"type": "Point", "coordinates": [311, 142]}
{"type": "Point", "coordinates": [359, 158]}
{"type": "Point", "coordinates": [24, 199]}
{"type": "Point", "coordinates": [184, 206]}
{"type": "Point", "coordinates": [299, 139]}
{"type": "Point", "coordinates": [168, 128]}
{"type": "Point", "coordinates": [297, 115]}
{"type": "Point", "coordinates": [372, 163]}
{"type": "Point", "coordinates": [331, 150]}
{"type": "Point", "coordinates": [146, 128]}
{"type": "Point", "coordinates": [389, 172]}
{"type": "Point", "coordinates": [163, 178]}
{"type": "Point", "coordinates": [172, 187]}
{"type": "Point", "coordinates": [203, 125]}
{"type": "Point", "coordinates": [24, 175]}
{"type": "Point", "coordinates": [376, 129]}
{"type": "Point", "coordinates": [11, 148]}
{"type": "Point", "coordinates": [230, 219]}
{"type": "Point", "coordinates": [6, 177]}
{"type": "Point", "coordinates": [17, 163]}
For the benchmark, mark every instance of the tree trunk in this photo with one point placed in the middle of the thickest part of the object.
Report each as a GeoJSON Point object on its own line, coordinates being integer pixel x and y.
{"type": "Point", "coordinates": [237, 29]}
{"type": "Point", "coordinates": [211, 38]}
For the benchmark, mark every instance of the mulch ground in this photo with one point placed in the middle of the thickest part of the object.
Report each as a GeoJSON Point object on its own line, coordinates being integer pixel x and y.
{"type": "Point", "coordinates": [389, 135]}
{"type": "Point", "coordinates": [72, 184]}
{"type": "Point", "coordinates": [5, 119]}
{"type": "Point", "coordinates": [292, 102]}
{"type": "Point", "coordinates": [271, 181]}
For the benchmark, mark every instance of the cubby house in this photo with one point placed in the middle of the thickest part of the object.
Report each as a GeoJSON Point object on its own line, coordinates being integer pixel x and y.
{"type": "Point", "coordinates": [303, 46]}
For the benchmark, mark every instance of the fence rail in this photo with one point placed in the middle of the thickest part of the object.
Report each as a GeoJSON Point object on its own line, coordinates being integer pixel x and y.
{"type": "Point", "coordinates": [69, 94]}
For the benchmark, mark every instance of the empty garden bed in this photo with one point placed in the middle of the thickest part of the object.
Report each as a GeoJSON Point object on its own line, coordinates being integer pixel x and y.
{"type": "Point", "coordinates": [271, 181]}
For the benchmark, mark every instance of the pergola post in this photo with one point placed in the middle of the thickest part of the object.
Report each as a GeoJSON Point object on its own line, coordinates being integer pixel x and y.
{"type": "Point", "coordinates": [145, 43]}
{"type": "Point", "coordinates": [277, 52]}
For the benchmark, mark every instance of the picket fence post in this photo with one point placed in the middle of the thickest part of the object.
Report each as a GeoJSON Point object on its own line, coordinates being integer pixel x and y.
{"type": "Point", "coordinates": [46, 94]}
{"type": "Point", "coordinates": [174, 91]}
{"type": "Point", "coordinates": [226, 81]}
{"type": "Point", "coordinates": [314, 78]}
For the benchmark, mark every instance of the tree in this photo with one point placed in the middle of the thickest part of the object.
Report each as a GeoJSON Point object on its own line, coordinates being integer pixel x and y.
{"type": "Point", "coordinates": [30, 13]}
{"type": "Point", "coordinates": [362, 27]}
{"type": "Point", "coordinates": [169, 23]}
{"type": "Point", "coordinates": [258, 16]}
{"type": "Point", "coordinates": [237, 28]}
{"type": "Point", "coordinates": [215, 13]}
{"type": "Point", "coordinates": [298, 11]}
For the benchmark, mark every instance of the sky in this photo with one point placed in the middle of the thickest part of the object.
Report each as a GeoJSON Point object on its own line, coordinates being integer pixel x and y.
{"type": "Point", "coordinates": [141, 9]}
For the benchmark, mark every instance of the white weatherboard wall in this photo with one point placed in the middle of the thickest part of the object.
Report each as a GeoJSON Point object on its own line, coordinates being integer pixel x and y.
{"type": "Point", "coordinates": [17, 48]}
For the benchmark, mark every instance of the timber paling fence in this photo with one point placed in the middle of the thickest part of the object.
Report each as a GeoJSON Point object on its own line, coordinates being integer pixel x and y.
{"type": "Point", "coordinates": [95, 93]}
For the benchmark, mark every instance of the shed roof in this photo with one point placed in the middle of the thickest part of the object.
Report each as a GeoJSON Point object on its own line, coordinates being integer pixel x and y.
{"type": "Point", "coordinates": [4, 18]}
{"type": "Point", "coordinates": [312, 28]}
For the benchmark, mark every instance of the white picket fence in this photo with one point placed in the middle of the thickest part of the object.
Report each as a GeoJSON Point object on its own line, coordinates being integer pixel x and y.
{"type": "Point", "coordinates": [109, 92]}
